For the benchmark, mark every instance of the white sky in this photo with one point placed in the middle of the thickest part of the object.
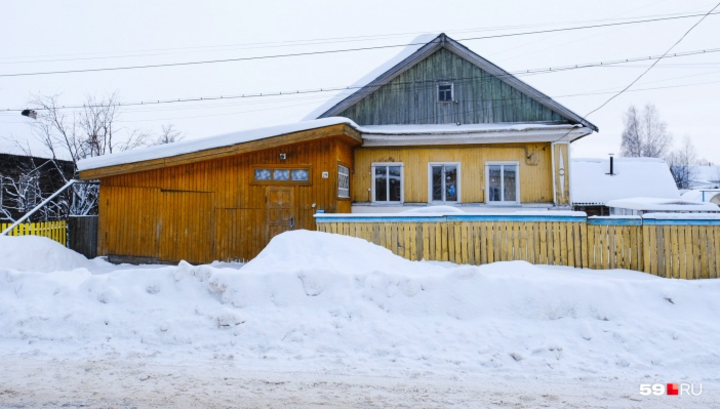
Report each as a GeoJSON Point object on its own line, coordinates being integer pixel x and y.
{"type": "Point", "coordinates": [50, 35]}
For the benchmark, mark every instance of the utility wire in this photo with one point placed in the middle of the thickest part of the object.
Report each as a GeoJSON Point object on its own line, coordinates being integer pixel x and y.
{"type": "Point", "coordinates": [335, 89]}
{"type": "Point", "coordinates": [309, 53]}
{"type": "Point", "coordinates": [291, 43]}
{"type": "Point", "coordinates": [654, 63]}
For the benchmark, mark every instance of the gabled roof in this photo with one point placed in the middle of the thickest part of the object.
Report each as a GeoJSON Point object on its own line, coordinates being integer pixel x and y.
{"type": "Point", "coordinates": [418, 50]}
{"type": "Point", "coordinates": [590, 183]}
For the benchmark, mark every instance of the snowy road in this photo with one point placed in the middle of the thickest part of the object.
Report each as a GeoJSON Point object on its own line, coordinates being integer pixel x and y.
{"type": "Point", "coordinates": [38, 383]}
{"type": "Point", "coordinates": [318, 320]}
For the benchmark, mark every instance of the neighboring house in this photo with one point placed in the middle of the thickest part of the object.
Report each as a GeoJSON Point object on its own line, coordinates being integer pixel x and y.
{"type": "Point", "coordinates": [703, 195]}
{"type": "Point", "coordinates": [704, 177]}
{"type": "Point", "coordinates": [592, 184]}
{"type": "Point", "coordinates": [26, 180]}
{"type": "Point", "coordinates": [436, 125]}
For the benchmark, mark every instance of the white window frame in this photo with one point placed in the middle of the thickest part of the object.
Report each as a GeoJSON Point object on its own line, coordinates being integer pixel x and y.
{"type": "Point", "coordinates": [502, 182]}
{"type": "Point", "coordinates": [452, 91]}
{"type": "Point", "coordinates": [387, 187]}
{"type": "Point", "coordinates": [340, 189]}
{"type": "Point", "coordinates": [430, 187]}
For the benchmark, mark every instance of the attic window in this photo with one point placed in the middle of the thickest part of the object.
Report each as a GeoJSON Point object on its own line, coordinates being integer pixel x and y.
{"type": "Point", "coordinates": [445, 92]}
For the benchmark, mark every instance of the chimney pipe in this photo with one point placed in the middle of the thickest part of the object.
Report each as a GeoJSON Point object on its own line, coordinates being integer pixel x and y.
{"type": "Point", "coordinates": [611, 165]}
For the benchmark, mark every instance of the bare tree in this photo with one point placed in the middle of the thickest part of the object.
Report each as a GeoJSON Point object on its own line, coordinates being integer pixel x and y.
{"type": "Point", "coordinates": [645, 134]}
{"type": "Point", "coordinates": [681, 162]}
{"type": "Point", "coordinates": [80, 134]}
{"type": "Point", "coordinates": [168, 135]}
{"type": "Point", "coordinates": [76, 134]}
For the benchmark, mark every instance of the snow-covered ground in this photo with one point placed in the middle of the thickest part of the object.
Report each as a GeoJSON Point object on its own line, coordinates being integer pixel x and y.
{"type": "Point", "coordinates": [323, 320]}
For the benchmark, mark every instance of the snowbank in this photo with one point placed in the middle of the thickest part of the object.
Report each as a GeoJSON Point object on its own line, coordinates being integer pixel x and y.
{"type": "Point", "coordinates": [38, 254]}
{"type": "Point", "coordinates": [316, 301]}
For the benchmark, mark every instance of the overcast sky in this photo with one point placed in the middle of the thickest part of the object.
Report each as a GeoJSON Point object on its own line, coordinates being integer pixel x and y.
{"type": "Point", "coordinates": [45, 35]}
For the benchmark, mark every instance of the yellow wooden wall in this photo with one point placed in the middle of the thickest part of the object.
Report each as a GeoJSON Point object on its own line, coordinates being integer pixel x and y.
{"type": "Point", "coordinates": [535, 160]}
{"type": "Point", "coordinates": [212, 210]}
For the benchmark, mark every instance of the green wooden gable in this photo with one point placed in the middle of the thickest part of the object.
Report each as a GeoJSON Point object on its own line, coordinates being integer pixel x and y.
{"type": "Point", "coordinates": [481, 93]}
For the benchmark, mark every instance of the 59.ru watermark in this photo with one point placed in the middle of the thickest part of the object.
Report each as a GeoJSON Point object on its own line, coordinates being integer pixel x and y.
{"type": "Point", "coordinates": [670, 389]}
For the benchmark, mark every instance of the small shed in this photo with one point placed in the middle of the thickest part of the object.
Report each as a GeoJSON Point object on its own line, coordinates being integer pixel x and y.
{"type": "Point", "coordinates": [593, 183]}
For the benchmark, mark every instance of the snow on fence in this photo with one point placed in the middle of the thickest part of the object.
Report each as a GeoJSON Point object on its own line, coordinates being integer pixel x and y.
{"type": "Point", "coordinates": [687, 247]}
{"type": "Point", "coordinates": [53, 230]}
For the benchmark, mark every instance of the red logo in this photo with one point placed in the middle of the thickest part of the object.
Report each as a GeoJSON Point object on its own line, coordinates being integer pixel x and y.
{"type": "Point", "coordinates": [672, 389]}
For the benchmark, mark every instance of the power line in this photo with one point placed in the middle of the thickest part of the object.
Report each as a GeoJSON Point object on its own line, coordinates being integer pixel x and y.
{"type": "Point", "coordinates": [335, 89]}
{"type": "Point", "coordinates": [290, 43]}
{"type": "Point", "coordinates": [656, 61]}
{"type": "Point", "coordinates": [309, 53]}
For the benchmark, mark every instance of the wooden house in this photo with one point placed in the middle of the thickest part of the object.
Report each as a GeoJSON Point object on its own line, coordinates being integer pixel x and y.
{"type": "Point", "coordinates": [437, 125]}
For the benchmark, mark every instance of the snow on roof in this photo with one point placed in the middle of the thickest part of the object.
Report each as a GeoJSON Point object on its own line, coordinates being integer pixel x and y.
{"type": "Point", "coordinates": [704, 177]}
{"type": "Point", "coordinates": [195, 145]}
{"type": "Point", "coordinates": [682, 216]}
{"type": "Point", "coordinates": [462, 128]}
{"type": "Point", "coordinates": [417, 43]}
{"type": "Point", "coordinates": [421, 135]}
{"type": "Point", "coordinates": [701, 195]}
{"type": "Point", "coordinates": [667, 205]}
{"type": "Point", "coordinates": [590, 183]}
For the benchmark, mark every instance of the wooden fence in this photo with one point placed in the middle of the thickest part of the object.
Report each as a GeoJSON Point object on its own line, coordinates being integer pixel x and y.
{"type": "Point", "coordinates": [53, 230]}
{"type": "Point", "coordinates": [82, 235]}
{"type": "Point", "coordinates": [670, 247]}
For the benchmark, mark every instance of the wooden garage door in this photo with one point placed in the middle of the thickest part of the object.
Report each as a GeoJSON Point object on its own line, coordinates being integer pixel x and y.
{"type": "Point", "coordinates": [187, 225]}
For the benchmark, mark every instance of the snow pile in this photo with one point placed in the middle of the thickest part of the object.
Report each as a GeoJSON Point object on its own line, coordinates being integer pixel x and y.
{"type": "Point", "coordinates": [319, 301]}
{"type": "Point", "coordinates": [38, 254]}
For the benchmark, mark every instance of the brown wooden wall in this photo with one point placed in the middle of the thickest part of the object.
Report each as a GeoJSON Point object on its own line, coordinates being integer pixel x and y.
{"type": "Point", "coordinates": [536, 184]}
{"type": "Point", "coordinates": [214, 210]}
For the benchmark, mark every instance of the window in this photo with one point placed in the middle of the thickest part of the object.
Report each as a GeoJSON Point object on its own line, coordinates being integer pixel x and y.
{"type": "Point", "coordinates": [502, 182]}
{"type": "Point", "coordinates": [282, 175]}
{"type": "Point", "coordinates": [343, 181]}
{"type": "Point", "coordinates": [387, 182]}
{"type": "Point", "coordinates": [445, 91]}
{"type": "Point", "coordinates": [444, 182]}
{"type": "Point", "coordinates": [262, 174]}
{"type": "Point", "coordinates": [300, 174]}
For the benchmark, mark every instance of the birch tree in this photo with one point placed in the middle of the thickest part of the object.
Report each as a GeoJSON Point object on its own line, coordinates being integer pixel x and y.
{"type": "Point", "coordinates": [645, 134]}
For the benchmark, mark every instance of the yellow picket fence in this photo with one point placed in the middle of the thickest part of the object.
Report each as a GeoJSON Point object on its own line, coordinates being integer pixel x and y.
{"type": "Point", "coordinates": [53, 230]}
{"type": "Point", "coordinates": [668, 247]}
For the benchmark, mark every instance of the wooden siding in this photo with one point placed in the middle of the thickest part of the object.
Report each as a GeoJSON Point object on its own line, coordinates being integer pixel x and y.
{"type": "Point", "coordinates": [213, 209]}
{"type": "Point", "coordinates": [479, 97]}
{"type": "Point", "coordinates": [536, 184]}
